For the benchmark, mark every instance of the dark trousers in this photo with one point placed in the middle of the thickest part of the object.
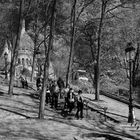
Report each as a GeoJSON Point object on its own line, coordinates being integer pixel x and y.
{"type": "Point", "coordinates": [60, 92]}
{"type": "Point", "coordinates": [71, 106]}
{"type": "Point", "coordinates": [23, 84]}
{"type": "Point", "coordinates": [52, 100]}
{"type": "Point", "coordinates": [79, 110]}
{"type": "Point", "coordinates": [48, 98]}
{"type": "Point", "coordinates": [56, 101]}
{"type": "Point", "coordinates": [26, 84]}
{"type": "Point", "coordinates": [66, 103]}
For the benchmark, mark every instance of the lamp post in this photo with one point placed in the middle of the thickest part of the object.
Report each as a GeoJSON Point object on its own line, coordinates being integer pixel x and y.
{"type": "Point", "coordinates": [130, 56]}
{"type": "Point", "coordinates": [6, 57]}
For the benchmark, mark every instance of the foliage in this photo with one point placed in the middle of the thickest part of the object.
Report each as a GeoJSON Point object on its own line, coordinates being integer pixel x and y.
{"type": "Point", "coordinates": [121, 24]}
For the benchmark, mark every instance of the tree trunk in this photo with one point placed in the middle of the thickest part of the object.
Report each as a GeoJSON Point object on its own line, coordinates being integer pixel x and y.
{"type": "Point", "coordinates": [72, 42]}
{"type": "Point", "coordinates": [93, 59]}
{"type": "Point", "coordinates": [33, 64]}
{"type": "Point", "coordinates": [97, 80]}
{"type": "Point", "coordinates": [91, 48]}
{"type": "Point", "coordinates": [47, 61]}
{"type": "Point", "coordinates": [15, 49]}
{"type": "Point", "coordinates": [35, 42]}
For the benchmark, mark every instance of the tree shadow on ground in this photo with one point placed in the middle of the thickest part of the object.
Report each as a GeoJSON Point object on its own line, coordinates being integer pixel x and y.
{"type": "Point", "coordinates": [23, 112]}
{"type": "Point", "coordinates": [15, 112]}
{"type": "Point", "coordinates": [1, 93]}
{"type": "Point", "coordinates": [26, 134]}
{"type": "Point", "coordinates": [110, 135]}
{"type": "Point", "coordinates": [99, 135]}
{"type": "Point", "coordinates": [117, 131]}
{"type": "Point", "coordinates": [8, 98]}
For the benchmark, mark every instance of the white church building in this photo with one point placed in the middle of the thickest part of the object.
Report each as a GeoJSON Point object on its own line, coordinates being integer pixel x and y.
{"type": "Point", "coordinates": [25, 53]}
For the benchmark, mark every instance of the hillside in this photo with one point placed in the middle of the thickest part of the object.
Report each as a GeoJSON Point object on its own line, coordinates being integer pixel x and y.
{"type": "Point", "coordinates": [18, 118]}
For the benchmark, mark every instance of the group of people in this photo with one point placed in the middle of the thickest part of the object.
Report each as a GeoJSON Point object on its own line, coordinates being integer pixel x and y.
{"type": "Point", "coordinates": [72, 100]}
{"type": "Point", "coordinates": [56, 90]}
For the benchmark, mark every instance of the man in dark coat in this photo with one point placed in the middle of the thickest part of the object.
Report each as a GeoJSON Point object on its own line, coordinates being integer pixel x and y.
{"type": "Point", "coordinates": [80, 105]}
{"type": "Point", "coordinates": [61, 85]}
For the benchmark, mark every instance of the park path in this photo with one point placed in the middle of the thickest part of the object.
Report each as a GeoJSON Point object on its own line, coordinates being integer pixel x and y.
{"type": "Point", "coordinates": [18, 119]}
{"type": "Point", "coordinates": [113, 106]}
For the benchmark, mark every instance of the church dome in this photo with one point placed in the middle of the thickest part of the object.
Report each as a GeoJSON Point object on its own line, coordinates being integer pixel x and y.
{"type": "Point", "coordinates": [26, 48]}
{"type": "Point", "coordinates": [26, 43]}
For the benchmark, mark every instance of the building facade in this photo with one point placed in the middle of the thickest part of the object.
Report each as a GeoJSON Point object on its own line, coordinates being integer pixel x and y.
{"type": "Point", "coordinates": [25, 52]}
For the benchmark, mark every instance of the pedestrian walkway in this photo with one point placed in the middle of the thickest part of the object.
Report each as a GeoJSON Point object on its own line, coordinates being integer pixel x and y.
{"type": "Point", "coordinates": [20, 112]}
{"type": "Point", "coordinates": [117, 109]}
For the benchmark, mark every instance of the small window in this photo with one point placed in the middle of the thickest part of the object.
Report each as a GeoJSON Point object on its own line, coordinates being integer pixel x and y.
{"type": "Point", "coordinates": [27, 62]}
{"type": "Point", "coordinates": [19, 61]}
{"type": "Point", "coordinates": [23, 61]}
{"type": "Point", "coordinates": [30, 61]}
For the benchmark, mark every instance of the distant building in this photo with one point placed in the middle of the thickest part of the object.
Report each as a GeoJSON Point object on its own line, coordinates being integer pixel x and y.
{"type": "Point", "coordinates": [25, 51]}
{"type": "Point", "coordinates": [25, 54]}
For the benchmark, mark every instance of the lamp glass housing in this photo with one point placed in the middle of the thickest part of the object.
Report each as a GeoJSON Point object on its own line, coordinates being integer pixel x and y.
{"type": "Point", "coordinates": [130, 53]}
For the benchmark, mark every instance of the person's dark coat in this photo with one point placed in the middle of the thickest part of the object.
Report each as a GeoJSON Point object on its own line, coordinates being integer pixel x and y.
{"type": "Point", "coordinates": [60, 83]}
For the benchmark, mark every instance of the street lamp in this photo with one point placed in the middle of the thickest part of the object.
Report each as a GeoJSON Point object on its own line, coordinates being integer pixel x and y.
{"type": "Point", "coordinates": [130, 56]}
{"type": "Point", "coordinates": [5, 57]}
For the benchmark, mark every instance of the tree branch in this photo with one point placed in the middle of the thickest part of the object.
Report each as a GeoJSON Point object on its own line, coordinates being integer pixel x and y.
{"type": "Point", "coordinates": [83, 8]}
{"type": "Point", "coordinates": [117, 6]}
{"type": "Point", "coordinates": [28, 9]}
{"type": "Point", "coordinates": [42, 42]}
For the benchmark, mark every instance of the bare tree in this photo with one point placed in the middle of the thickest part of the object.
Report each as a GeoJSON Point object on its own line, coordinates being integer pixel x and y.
{"type": "Point", "coordinates": [97, 67]}
{"type": "Point", "coordinates": [15, 48]}
{"type": "Point", "coordinates": [35, 39]}
{"type": "Point", "coordinates": [47, 59]}
{"type": "Point", "coordinates": [71, 42]}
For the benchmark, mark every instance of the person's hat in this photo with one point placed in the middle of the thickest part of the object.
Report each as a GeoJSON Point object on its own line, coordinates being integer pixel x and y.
{"type": "Point", "coordinates": [80, 91]}
{"type": "Point", "coordinates": [71, 89]}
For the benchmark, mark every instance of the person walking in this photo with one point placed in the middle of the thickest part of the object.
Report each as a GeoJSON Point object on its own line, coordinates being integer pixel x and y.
{"type": "Point", "coordinates": [70, 100]}
{"type": "Point", "coordinates": [52, 89]}
{"type": "Point", "coordinates": [61, 85]}
{"type": "Point", "coordinates": [38, 83]}
{"type": "Point", "coordinates": [66, 91]}
{"type": "Point", "coordinates": [56, 94]}
{"type": "Point", "coordinates": [48, 96]}
{"type": "Point", "coordinates": [26, 83]}
{"type": "Point", "coordinates": [80, 105]}
{"type": "Point", "coordinates": [22, 81]}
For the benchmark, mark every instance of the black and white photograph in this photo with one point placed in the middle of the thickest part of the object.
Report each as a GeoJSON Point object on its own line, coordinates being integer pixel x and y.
{"type": "Point", "coordinates": [69, 69]}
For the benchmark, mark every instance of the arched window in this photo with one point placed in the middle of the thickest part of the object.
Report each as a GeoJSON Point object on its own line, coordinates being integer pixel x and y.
{"type": "Point", "coordinates": [30, 61]}
{"type": "Point", "coordinates": [23, 61]}
{"type": "Point", "coordinates": [19, 61]}
{"type": "Point", "coordinates": [27, 61]}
